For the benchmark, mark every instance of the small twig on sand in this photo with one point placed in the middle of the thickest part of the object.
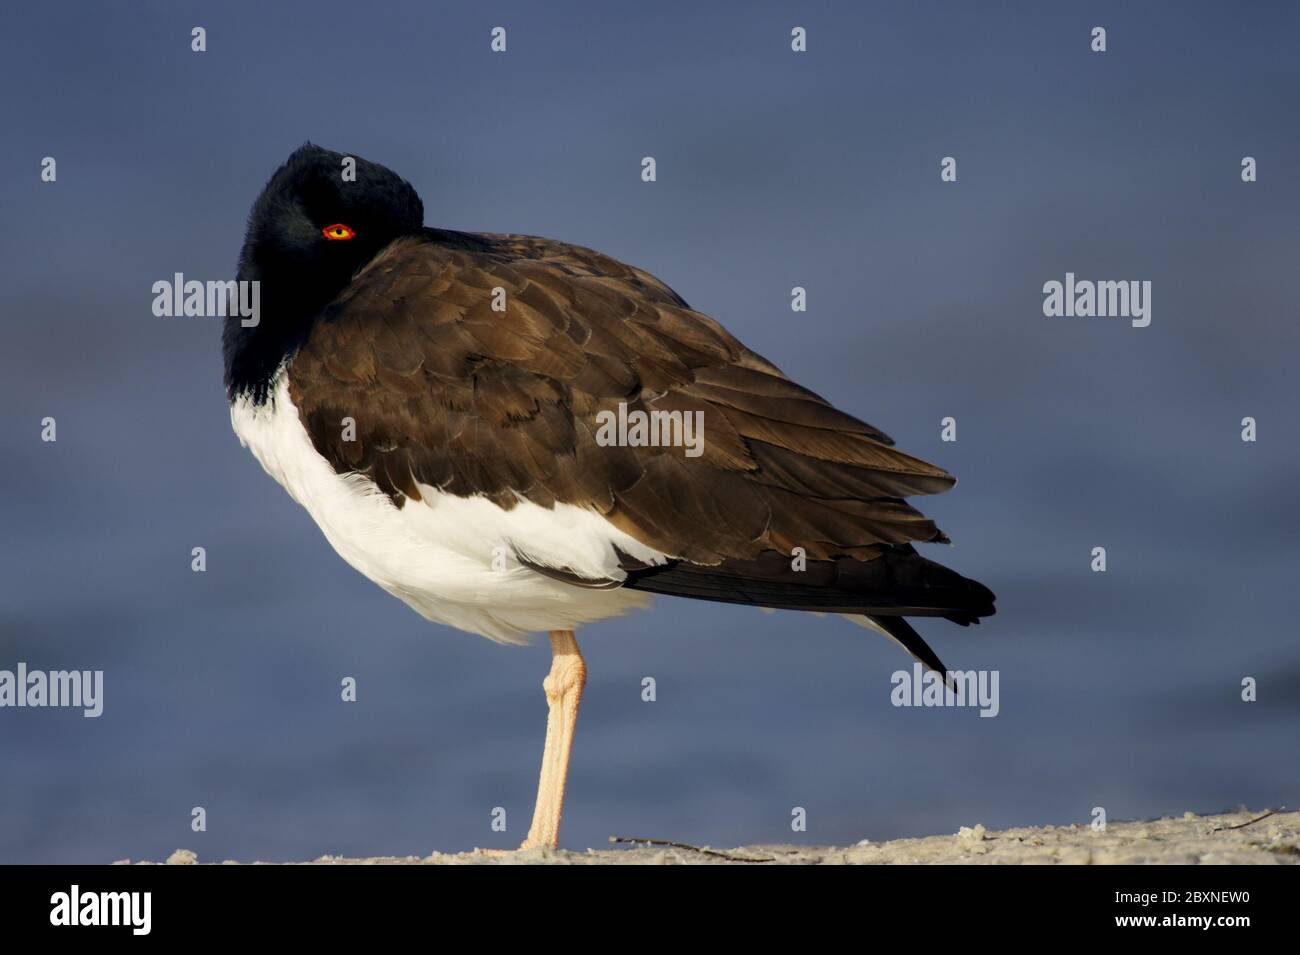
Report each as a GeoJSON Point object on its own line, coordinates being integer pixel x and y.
{"type": "Point", "coordinates": [628, 840]}
{"type": "Point", "coordinates": [1251, 822]}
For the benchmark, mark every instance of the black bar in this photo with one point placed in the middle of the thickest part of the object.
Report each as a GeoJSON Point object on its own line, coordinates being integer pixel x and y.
{"type": "Point", "coordinates": [331, 903]}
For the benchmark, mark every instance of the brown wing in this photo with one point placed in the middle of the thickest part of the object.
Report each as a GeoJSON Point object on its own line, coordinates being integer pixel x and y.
{"type": "Point", "coordinates": [447, 392]}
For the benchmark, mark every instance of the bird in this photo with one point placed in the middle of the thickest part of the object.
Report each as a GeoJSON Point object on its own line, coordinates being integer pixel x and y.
{"type": "Point", "coordinates": [443, 404]}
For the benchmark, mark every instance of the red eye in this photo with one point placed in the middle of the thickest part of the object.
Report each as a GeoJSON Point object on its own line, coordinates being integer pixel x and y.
{"type": "Point", "coordinates": [338, 232]}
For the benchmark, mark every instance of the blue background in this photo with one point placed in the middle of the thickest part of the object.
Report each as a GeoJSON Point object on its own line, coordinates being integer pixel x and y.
{"type": "Point", "coordinates": [774, 170]}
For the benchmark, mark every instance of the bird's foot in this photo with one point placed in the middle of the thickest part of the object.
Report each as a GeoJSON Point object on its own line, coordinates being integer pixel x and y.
{"type": "Point", "coordinates": [498, 853]}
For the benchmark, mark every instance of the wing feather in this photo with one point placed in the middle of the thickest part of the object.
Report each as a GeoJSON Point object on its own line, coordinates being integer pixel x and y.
{"type": "Point", "coordinates": [451, 393]}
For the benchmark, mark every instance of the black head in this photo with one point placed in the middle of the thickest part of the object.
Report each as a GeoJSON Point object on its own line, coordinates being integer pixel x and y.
{"type": "Point", "coordinates": [317, 222]}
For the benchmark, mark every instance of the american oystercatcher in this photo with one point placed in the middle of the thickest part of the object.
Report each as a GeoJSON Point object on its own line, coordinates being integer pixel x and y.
{"type": "Point", "coordinates": [497, 429]}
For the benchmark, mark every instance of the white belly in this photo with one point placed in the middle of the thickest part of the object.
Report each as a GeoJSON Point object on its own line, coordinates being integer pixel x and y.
{"type": "Point", "coordinates": [450, 558]}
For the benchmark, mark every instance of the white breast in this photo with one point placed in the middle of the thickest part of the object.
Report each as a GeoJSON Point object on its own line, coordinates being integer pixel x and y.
{"type": "Point", "coordinates": [450, 558]}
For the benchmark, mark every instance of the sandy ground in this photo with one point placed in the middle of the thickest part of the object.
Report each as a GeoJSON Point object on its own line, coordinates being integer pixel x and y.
{"type": "Point", "coordinates": [1226, 839]}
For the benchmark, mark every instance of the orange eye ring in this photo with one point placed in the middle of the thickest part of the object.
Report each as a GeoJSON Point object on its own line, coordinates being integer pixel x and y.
{"type": "Point", "coordinates": [338, 232]}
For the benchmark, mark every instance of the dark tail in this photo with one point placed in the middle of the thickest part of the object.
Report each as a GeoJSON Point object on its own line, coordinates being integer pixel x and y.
{"type": "Point", "coordinates": [899, 582]}
{"type": "Point", "coordinates": [911, 641]}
